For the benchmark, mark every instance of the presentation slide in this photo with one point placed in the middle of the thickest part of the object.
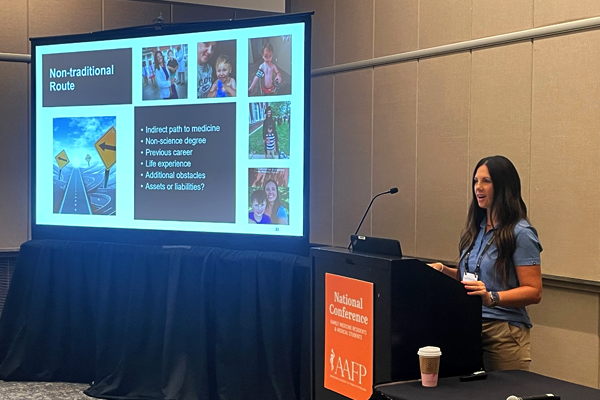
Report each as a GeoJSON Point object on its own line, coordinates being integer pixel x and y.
{"type": "Point", "coordinates": [194, 132]}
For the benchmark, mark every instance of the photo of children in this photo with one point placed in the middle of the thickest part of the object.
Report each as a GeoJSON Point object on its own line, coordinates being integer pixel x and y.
{"type": "Point", "coordinates": [269, 130]}
{"type": "Point", "coordinates": [84, 165]}
{"type": "Point", "coordinates": [216, 69]}
{"type": "Point", "coordinates": [269, 66]}
{"type": "Point", "coordinates": [268, 194]}
{"type": "Point", "coordinates": [163, 70]}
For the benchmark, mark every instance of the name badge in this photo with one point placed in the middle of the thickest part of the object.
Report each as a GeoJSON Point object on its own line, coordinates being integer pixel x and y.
{"type": "Point", "coordinates": [470, 277]}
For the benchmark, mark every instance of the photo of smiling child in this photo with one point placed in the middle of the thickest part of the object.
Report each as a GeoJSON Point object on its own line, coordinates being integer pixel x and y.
{"type": "Point", "coordinates": [224, 86]}
{"type": "Point", "coordinates": [258, 202]}
{"type": "Point", "coordinates": [270, 66]}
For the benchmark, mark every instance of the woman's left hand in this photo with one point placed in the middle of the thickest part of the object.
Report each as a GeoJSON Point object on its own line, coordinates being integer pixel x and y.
{"type": "Point", "coordinates": [477, 288]}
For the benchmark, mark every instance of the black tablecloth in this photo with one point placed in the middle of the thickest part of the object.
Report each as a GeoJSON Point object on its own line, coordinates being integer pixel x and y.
{"type": "Point", "coordinates": [147, 322]}
{"type": "Point", "coordinates": [497, 386]}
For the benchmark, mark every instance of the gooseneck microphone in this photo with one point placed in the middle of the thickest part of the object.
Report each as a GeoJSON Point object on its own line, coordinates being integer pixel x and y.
{"type": "Point", "coordinates": [393, 190]}
{"type": "Point", "coordinates": [539, 397]}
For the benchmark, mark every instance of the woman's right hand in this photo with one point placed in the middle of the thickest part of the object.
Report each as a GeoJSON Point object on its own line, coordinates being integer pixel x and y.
{"type": "Point", "coordinates": [437, 266]}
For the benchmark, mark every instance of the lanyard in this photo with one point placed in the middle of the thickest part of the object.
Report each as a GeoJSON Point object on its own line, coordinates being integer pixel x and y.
{"type": "Point", "coordinates": [478, 265]}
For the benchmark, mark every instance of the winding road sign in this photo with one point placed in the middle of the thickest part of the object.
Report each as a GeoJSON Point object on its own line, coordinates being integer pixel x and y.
{"type": "Point", "coordinates": [106, 147]}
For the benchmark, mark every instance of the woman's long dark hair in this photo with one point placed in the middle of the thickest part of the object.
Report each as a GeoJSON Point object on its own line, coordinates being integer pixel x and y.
{"type": "Point", "coordinates": [276, 203]}
{"type": "Point", "coordinates": [508, 208]}
{"type": "Point", "coordinates": [156, 61]}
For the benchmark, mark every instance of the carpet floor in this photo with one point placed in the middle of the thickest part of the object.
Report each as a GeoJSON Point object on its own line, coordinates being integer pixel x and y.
{"type": "Point", "coordinates": [43, 391]}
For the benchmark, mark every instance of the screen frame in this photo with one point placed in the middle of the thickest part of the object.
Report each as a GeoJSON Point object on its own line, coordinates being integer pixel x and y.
{"type": "Point", "coordinates": [239, 241]}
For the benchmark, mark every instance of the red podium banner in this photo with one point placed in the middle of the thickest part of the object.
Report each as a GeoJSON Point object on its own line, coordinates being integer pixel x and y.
{"type": "Point", "coordinates": [349, 336]}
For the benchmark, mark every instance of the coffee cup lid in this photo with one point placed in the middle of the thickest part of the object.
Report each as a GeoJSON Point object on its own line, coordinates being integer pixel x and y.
{"type": "Point", "coordinates": [429, 351]}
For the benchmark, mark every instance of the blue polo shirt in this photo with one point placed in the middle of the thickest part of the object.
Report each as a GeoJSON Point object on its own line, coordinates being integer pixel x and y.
{"type": "Point", "coordinates": [527, 252]}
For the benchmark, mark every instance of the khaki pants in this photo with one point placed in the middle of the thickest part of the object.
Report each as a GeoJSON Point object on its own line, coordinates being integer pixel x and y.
{"type": "Point", "coordinates": [505, 346]}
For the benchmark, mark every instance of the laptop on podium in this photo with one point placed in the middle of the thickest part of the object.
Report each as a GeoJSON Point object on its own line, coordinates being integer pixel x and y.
{"type": "Point", "coordinates": [375, 245]}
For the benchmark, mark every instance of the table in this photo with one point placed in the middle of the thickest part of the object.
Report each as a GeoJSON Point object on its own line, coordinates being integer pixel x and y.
{"type": "Point", "coordinates": [497, 386]}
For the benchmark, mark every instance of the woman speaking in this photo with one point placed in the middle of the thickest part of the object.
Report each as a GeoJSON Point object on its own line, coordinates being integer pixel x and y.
{"type": "Point", "coordinates": [500, 262]}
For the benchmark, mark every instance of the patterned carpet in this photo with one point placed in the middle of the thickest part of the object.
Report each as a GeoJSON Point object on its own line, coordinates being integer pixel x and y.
{"type": "Point", "coordinates": [43, 391]}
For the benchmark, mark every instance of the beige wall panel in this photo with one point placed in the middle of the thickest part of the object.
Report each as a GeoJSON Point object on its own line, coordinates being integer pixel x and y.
{"type": "Point", "coordinates": [13, 29]}
{"type": "Point", "coordinates": [64, 17]}
{"type": "Point", "coordinates": [501, 107]}
{"type": "Point", "coordinates": [564, 146]}
{"type": "Point", "coordinates": [565, 354]}
{"type": "Point", "coordinates": [351, 153]}
{"type": "Point", "coordinates": [566, 309]}
{"type": "Point", "coordinates": [564, 338]}
{"type": "Point", "coordinates": [197, 13]}
{"type": "Point", "coordinates": [14, 155]}
{"type": "Point", "coordinates": [322, 29]}
{"type": "Point", "coordinates": [396, 26]}
{"type": "Point", "coordinates": [321, 160]}
{"type": "Point", "coordinates": [125, 13]}
{"type": "Point", "coordinates": [501, 16]}
{"type": "Point", "coordinates": [353, 30]}
{"type": "Point", "coordinates": [443, 22]}
{"type": "Point", "coordinates": [442, 156]}
{"type": "Point", "coordinates": [548, 12]}
{"type": "Point", "coordinates": [394, 152]}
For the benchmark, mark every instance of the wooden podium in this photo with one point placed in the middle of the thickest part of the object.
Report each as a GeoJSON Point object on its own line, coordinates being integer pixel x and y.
{"type": "Point", "coordinates": [413, 306]}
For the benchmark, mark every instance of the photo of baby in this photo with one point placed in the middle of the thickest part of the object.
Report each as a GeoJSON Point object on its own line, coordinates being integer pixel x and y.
{"type": "Point", "coordinates": [269, 130]}
{"type": "Point", "coordinates": [164, 72]}
{"type": "Point", "coordinates": [269, 66]}
{"type": "Point", "coordinates": [268, 194]}
{"type": "Point", "coordinates": [216, 69]}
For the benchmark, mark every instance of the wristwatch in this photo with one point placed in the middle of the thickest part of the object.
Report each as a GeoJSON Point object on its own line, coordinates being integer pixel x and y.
{"type": "Point", "coordinates": [494, 299]}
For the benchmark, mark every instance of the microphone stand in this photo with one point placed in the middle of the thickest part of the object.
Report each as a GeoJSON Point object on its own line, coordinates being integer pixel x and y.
{"type": "Point", "coordinates": [391, 191]}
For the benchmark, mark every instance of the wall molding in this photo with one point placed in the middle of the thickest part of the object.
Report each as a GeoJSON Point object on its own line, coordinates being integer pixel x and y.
{"type": "Point", "coordinates": [491, 41]}
{"type": "Point", "coordinates": [13, 57]}
{"type": "Point", "coordinates": [548, 280]}
{"type": "Point", "coordinates": [581, 285]}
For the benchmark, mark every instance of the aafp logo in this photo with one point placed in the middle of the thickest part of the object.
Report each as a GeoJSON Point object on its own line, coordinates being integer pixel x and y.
{"type": "Point", "coordinates": [331, 358]}
{"type": "Point", "coordinates": [347, 369]}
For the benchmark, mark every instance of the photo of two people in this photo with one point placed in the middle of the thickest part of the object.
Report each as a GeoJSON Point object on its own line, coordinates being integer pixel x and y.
{"type": "Point", "coordinates": [217, 69]}
{"type": "Point", "coordinates": [164, 72]}
{"type": "Point", "coordinates": [269, 125]}
{"type": "Point", "coordinates": [268, 196]}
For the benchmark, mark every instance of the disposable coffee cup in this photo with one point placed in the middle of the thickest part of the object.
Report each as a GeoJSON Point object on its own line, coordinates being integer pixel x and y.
{"type": "Point", "coordinates": [429, 360]}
